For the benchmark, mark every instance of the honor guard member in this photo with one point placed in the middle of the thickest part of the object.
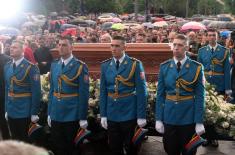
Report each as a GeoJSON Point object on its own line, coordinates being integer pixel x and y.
{"type": "Point", "coordinates": [23, 92]}
{"type": "Point", "coordinates": [3, 127]}
{"type": "Point", "coordinates": [215, 59]}
{"type": "Point", "coordinates": [180, 99]}
{"type": "Point", "coordinates": [68, 99]}
{"type": "Point", "coordinates": [123, 97]}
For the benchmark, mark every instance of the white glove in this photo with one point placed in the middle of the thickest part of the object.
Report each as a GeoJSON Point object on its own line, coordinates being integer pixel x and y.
{"type": "Point", "coordinates": [83, 124]}
{"type": "Point", "coordinates": [104, 122]}
{"type": "Point", "coordinates": [6, 116]}
{"type": "Point", "coordinates": [199, 128]}
{"type": "Point", "coordinates": [141, 122]}
{"type": "Point", "coordinates": [49, 121]}
{"type": "Point", "coordinates": [34, 118]}
{"type": "Point", "coordinates": [159, 127]}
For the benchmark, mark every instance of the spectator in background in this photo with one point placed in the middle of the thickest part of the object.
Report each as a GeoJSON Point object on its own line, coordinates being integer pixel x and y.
{"type": "Point", "coordinates": [7, 46]}
{"type": "Point", "coordinates": [105, 38]}
{"type": "Point", "coordinates": [192, 53]}
{"type": "Point", "coordinates": [43, 57]}
{"type": "Point", "coordinates": [28, 53]}
{"type": "Point", "coordinates": [171, 37]}
{"type": "Point", "coordinates": [140, 38]}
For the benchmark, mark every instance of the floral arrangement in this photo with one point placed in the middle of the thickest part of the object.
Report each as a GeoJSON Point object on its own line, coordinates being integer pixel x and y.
{"type": "Point", "coordinates": [218, 112]}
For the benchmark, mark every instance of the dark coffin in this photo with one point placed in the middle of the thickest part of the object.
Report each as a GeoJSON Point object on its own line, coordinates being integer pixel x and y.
{"type": "Point", "coordinates": [150, 54]}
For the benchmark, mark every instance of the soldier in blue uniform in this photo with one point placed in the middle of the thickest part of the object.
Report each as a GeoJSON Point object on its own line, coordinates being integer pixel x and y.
{"type": "Point", "coordinates": [23, 92]}
{"type": "Point", "coordinates": [68, 99]}
{"type": "Point", "coordinates": [180, 99]}
{"type": "Point", "coordinates": [215, 59]}
{"type": "Point", "coordinates": [123, 97]}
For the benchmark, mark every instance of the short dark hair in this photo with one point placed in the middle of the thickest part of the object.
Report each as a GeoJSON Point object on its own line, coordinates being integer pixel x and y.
{"type": "Point", "coordinates": [20, 42]}
{"type": "Point", "coordinates": [211, 30]}
{"type": "Point", "coordinates": [181, 37]}
{"type": "Point", "coordinates": [69, 39]}
{"type": "Point", "coordinates": [119, 38]}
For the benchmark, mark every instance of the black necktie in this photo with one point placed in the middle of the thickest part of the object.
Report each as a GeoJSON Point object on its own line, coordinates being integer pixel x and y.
{"type": "Point", "coordinates": [14, 66]}
{"type": "Point", "coordinates": [63, 65]}
{"type": "Point", "coordinates": [117, 64]}
{"type": "Point", "coordinates": [212, 50]}
{"type": "Point", "coordinates": [178, 66]}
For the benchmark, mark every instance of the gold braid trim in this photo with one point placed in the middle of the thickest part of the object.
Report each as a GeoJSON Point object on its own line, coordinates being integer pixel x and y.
{"type": "Point", "coordinates": [20, 82]}
{"type": "Point", "coordinates": [125, 81]}
{"type": "Point", "coordinates": [183, 83]}
{"type": "Point", "coordinates": [68, 81]}
{"type": "Point", "coordinates": [220, 62]}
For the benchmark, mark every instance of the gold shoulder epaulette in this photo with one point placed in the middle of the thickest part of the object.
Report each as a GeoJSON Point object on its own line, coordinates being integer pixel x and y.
{"type": "Point", "coordinates": [197, 63]}
{"type": "Point", "coordinates": [81, 62]}
{"type": "Point", "coordinates": [165, 62]}
{"type": "Point", "coordinates": [132, 58]}
{"type": "Point", "coordinates": [106, 60]}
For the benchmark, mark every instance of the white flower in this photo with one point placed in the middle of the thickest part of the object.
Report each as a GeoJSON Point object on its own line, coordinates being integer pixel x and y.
{"type": "Point", "coordinates": [225, 125]}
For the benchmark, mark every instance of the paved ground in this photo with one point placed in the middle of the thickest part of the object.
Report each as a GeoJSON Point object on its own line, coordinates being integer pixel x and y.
{"type": "Point", "coordinates": [154, 146]}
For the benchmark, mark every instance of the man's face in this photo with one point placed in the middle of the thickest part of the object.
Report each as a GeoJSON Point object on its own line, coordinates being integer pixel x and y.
{"type": "Point", "coordinates": [105, 39]}
{"type": "Point", "coordinates": [199, 38]}
{"type": "Point", "coordinates": [7, 47]}
{"type": "Point", "coordinates": [16, 50]}
{"type": "Point", "coordinates": [140, 39]}
{"type": "Point", "coordinates": [179, 48]}
{"type": "Point", "coordinates": [65, 48]}
{"type": "Point", "coordinates": [41, 42]}
{"type": "Point", "coordinates": [211, 36]}
{"type": "Point", "coordinates": [117, 48]}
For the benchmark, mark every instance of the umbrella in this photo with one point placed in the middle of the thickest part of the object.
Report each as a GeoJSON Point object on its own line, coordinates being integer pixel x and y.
{"type": "Point", "coordinates": [41, 16]}
{"type": "Point", "coordinates": [66, 26]}
{"type": "Point", "coordinates": [132, 26]}
{"type": "Point", "coordinates": [157, 19]}
{"type": "Point", "coordinates": [222, 25]}
{"type": "Point", "coordinates": [225, 33]}
{"type": "Point", "coordinates": [63, 13]}
{"type": "Point", "coordinates": [70, 31]}
{"type": "Point", "coordinates": [10, 31]}
{"type": "Point", "coordinates": [78, 21]}
{"type": "Point", "coordinates": [160, 24]}
{"type": "Point", "coordinates": [28, 24]}
{"type": "Point", "coordinates": [118, 26]}
{"type": "Point", "coordinates": [148, 25]}
{"type": "Point", "coordinates": [194, 26]}
{"type": "Point", "coordinates": [106, 26]}
{"type": "Point", "coordinates": [116, 20]}
{"type": "Point", "coordinates": [105, 18]}
{"type": "Point", "coordinates": [206, 22]}
{"type": "Point", "coordinates": [90, 22]}
{"type": "Point", "coordinates": [53, 14]}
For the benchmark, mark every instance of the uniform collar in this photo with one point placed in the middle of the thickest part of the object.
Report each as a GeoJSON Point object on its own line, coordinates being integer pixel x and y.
{"type": "Point", "coordinates": [17, 62]}
{"type": "Point", "coordinates": [216, 45]}
{"type": "Point", "coordinates": [121, 59]}
{"type": "Point", "coordinates": [182, 61]}
{"type": "Point", "coordinates": [66, 61]}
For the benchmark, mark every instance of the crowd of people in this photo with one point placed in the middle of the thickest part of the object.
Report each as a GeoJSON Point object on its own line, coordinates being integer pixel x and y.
{"type": "Point", "coordinates": [197, 57]}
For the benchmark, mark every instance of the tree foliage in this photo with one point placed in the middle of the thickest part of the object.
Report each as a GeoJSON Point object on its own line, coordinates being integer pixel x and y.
{"type": "Point", "coordinates": [174, 7]}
